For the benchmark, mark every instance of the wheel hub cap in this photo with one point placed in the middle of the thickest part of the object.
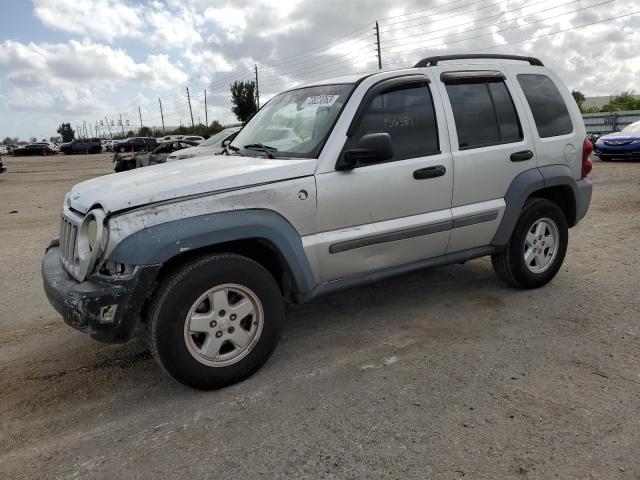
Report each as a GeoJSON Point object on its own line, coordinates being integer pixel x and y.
{"type": "Point", "coordinates": [541, 245]}
{"type": "Point", "coordinates": [223, 325]}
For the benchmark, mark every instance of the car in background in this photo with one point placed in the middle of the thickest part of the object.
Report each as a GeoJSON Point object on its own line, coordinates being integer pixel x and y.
{"type": "Point", "coordinates": [194, 138]}
{"type": "Point", "coordinates": [129, 161]}
{"type": "Point", "coordinates": [136, 144]}
{"type": "Point", "coordinates": [4, 149]}
{"type": "Point", "coordinates": [2, 167]}
{"type": "Point", "coordinates": [81, 145]}
{"type": "Point", "coordinates": [212, 145]}
{"type": "Point", "coordinates": [107, 145]}
{"type": "Point", "coordinates": [619, 145]}
{"type": "Point", "coordinates": [32, 149]}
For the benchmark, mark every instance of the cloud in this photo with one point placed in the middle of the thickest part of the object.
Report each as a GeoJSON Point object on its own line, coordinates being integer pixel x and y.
{"type": "Point", "coordinates": [71, 63]}
{"type": "Point", "coordinates": [206, 44]}
{"type": "Point", "coordinates": [103, 19]}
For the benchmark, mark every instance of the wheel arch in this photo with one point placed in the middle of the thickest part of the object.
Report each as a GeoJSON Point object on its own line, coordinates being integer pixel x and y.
{"type": "Point", "coordinates": [262, 235]}
{"type": "Point", "coordinates": [553, 182]}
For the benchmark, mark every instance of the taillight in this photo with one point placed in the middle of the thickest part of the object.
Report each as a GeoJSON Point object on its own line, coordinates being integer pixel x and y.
{"type": "Point", "coordinates": [587, 164]}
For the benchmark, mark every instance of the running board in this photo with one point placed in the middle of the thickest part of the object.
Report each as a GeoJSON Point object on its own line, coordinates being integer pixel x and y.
{"type": "Point", "coordinates": [371, 277]}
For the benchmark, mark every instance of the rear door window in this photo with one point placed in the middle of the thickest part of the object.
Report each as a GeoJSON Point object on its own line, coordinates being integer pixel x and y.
{"type": "Point", "coordinates": [547, 105]}
{"type": "Point", "coordinates": [484, 112]}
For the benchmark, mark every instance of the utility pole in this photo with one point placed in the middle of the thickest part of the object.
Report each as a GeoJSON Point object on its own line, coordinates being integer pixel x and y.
{"type": "Point", "coordinates": [378, 45]}
{"type": "Point", "coordinates": [206, 115]}
{"type": "Point", "coordinates": [162, 116]}
{"type": "Point", "coordinates": [257, 88]}
{"type": "Point", "coordinates": [121, 124]}
{"type": "Point", "coordinates": [190, 111]}
{"type": "Point", "coordinates": [108, 126]}
{"type": "Point", "coordinates": [140, 115]}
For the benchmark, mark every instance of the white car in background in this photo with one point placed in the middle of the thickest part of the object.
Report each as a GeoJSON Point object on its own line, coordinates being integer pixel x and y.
{"type": "Point", "coordinates": [4, 150]}
{"type": "Point", "coordinates": [211, 146]}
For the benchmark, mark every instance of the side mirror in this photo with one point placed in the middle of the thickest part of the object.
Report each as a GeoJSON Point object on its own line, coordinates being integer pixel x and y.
{"type": "Point", "coordinates": [226, 142]}
{"type": "Point", "coordinates": [372, 148]}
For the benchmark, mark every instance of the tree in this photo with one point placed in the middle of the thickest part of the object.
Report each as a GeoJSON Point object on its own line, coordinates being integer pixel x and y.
{"type": "Point", "coordinates": [66, 132]}
{"type": "Point", "coordinates": [578, 97]}
{"type": "Point", "coordinates": [621, 101]}
{"type": "Point", "coordinates": [215, 127]}
{"type": "Point", "coordinates": [243, 96]}
{"type": "Point", "coordinates": [7, 140]}
{"type": "Point", "coordinates": [145, 132]}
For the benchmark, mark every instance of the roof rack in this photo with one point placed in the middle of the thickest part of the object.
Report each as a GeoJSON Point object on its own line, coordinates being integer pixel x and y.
{"type": "Point", "coordinates": [433, 61]}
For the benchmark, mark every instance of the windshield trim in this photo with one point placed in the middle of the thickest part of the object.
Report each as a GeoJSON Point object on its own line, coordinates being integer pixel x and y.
{"type": "Point", "coordinates": [320, 148]}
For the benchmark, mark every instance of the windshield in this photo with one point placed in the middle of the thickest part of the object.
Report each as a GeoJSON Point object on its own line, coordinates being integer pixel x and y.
{"type": "Point", "coordinates": [218, 137]}
{"type": "Point", "coordinates": [633, 128]}
{"type": "Point", "coordinates": [294, 123]}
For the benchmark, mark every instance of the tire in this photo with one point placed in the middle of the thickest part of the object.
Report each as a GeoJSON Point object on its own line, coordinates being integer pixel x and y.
{"type": "Point", "coordinates": [182, 352]}
{"type": "Point", "coordinates": [122, 149]}
{"type": "Point", "coordinates": [549, 221]}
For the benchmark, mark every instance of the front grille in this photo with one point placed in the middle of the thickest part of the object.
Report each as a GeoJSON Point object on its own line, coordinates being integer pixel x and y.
{"type": "Point", "coordinates": [617, 142]}
{"type": "Point", "coordinates": [70, 223]}
{"type": "Point", "coordinates": [68, 236]}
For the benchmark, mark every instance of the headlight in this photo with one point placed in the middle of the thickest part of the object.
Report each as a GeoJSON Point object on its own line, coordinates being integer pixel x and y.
{"type": "Point", "coordinates": [92, 237]}
{"type": "Point", "coordinates": [636, 142]}
{"type": "Point", "coordinates": [185, 156]}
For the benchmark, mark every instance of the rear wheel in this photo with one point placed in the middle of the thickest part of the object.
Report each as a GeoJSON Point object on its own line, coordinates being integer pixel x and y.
{"type": "Point", "coordinates": [537, 246]}
{"type": "Point", "coordinates": [216, 321]}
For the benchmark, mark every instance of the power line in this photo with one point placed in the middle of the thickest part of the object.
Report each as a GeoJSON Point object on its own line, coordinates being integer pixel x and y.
{"type": "Point", "coordinates": [386, 25]}
{"type": "Point", "coordinates": [499, 31]}
{"type": "Point", "coordinates": [490, 25]}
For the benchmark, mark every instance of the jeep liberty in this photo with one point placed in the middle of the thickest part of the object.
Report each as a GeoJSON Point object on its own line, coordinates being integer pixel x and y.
{"type": "Point", "coordinates": [329, 186]}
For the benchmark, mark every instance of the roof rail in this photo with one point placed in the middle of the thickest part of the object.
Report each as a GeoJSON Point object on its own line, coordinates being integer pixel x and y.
{"type": "Point", "coordinates": [433, 61]}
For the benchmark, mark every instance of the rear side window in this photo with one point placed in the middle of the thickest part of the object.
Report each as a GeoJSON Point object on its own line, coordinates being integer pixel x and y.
{"type": "Point", "coordinates": [484, 113]}
{"type": "Point", "coordinates": [547, 105]}
{"type": "Point", "coordinates": [407, 114]}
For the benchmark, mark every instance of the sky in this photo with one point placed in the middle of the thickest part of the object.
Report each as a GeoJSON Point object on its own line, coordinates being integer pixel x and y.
{"type": "Point", "coordinates": [92, 61]}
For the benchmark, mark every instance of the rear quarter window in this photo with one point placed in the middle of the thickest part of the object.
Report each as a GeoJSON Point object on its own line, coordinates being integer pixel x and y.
{"type": "Point", "coordinates": [547, 105]}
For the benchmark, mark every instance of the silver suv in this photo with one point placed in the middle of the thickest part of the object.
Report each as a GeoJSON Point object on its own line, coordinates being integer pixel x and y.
{"type": "Point", "coordinates": [330, 186]}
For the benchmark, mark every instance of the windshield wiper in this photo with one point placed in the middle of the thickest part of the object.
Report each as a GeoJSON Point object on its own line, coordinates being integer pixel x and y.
{"type": "Point", "coordinates": [228, 147]}
{"type": "Point", "coordinates": [265, 148]}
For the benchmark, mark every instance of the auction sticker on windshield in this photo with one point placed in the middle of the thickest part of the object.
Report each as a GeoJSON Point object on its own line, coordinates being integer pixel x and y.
{"type": "Point", "coordinates": [320, 101]}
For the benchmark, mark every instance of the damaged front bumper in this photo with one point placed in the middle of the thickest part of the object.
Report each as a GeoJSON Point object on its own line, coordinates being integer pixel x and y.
{"type": "Point", "coordinates": [107, 309]}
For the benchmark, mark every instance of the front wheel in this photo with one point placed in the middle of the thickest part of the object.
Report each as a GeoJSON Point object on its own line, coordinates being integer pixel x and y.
{"type": "Point", "coordinates": [216, 321]}
{"type": "Point", "coordinates": [537, 246]}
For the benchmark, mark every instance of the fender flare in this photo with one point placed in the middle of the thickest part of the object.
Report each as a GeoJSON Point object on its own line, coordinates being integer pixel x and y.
{"type": "Point", "coordinates": [521, 188]}
{"type": "Point", "coordinates": [160, 243]}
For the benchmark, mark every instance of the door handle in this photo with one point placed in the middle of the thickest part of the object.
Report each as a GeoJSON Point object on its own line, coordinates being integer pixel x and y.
{"type": "Point", "coordinates": [429, 172]}
{"type": "Point", "coordinates": [522, 156]}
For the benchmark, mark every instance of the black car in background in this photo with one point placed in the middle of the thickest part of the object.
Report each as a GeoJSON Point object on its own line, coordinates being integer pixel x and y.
{"type": "Point", "coordinates": [33, 149]}
{"type": "Point", "coordinates": [2, 167]}
{"type": "Point", "coordinates": [82, 145]}
{"type": "Point", "coordinates": [136, 144]}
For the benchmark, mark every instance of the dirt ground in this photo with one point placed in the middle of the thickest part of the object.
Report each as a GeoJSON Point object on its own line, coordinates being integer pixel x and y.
{"type": "Point", "coordinates": [446, 373]}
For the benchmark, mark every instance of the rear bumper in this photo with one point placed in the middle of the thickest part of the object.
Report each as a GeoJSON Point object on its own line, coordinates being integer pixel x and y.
{"type": "Point", "coordinates": [108, 310]}
{"type": "Point", "coordinates": [584, 189]}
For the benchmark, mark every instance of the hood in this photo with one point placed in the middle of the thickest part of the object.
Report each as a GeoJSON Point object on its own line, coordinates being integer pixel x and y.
{"type": "Point", "coordinates": [167, 181]}
{"type": "Point", "coordinates": [620, 136]}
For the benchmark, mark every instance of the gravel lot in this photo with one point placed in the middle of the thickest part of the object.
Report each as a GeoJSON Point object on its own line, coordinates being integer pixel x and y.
{"type": "Point", "coordinates": [446, 373]}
